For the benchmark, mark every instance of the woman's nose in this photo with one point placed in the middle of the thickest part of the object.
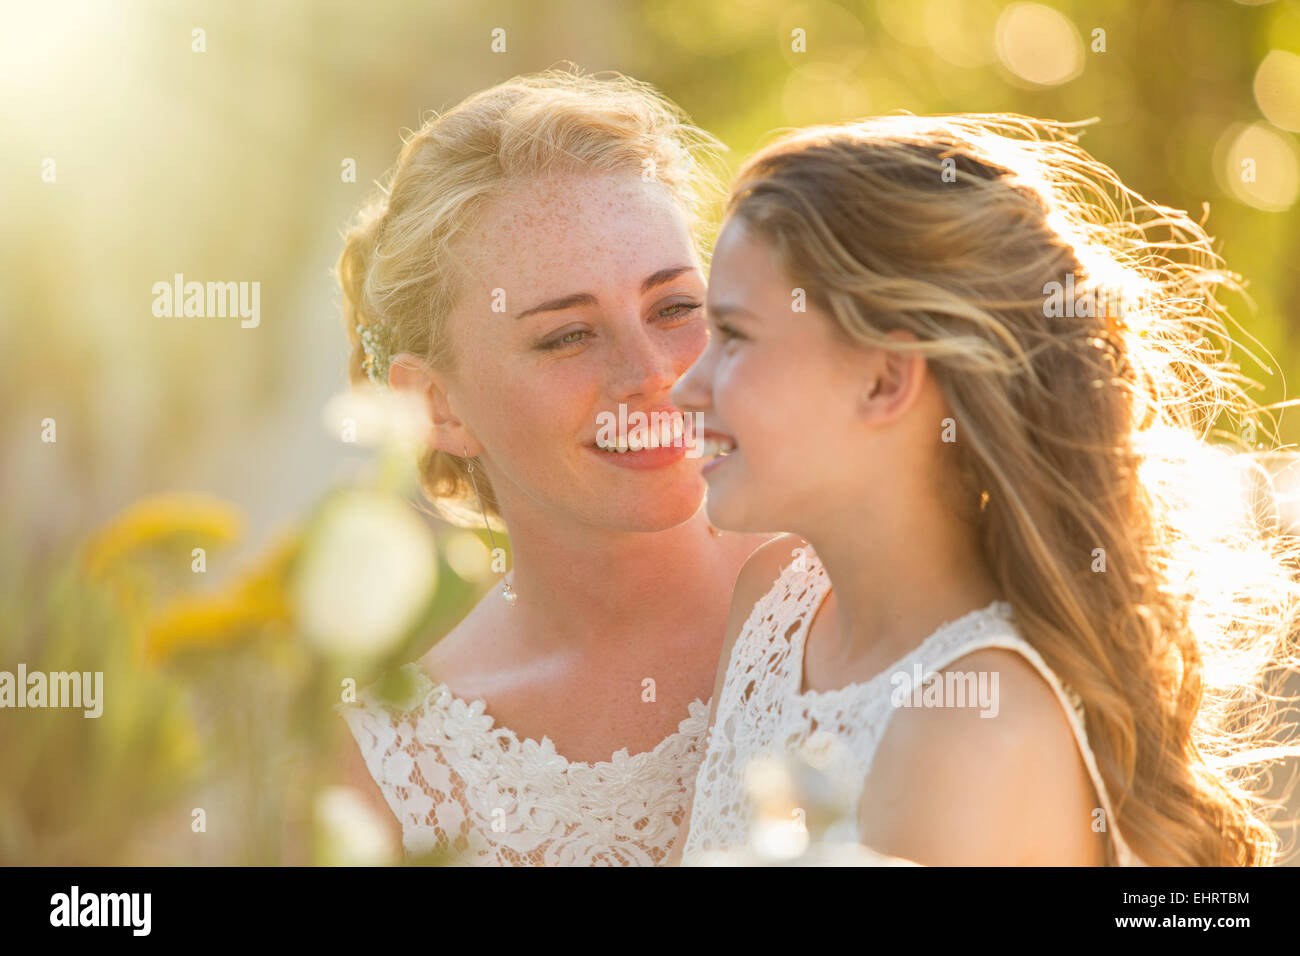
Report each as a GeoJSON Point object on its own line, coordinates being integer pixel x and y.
{"type": "Point", "coordinates": [645, 367]}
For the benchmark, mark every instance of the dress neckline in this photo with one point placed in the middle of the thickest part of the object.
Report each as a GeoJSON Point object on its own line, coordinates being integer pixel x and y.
{"type": "Point", "coordinates": [620, 757]}
{"type": "Point", "coordinates": [820, 592]}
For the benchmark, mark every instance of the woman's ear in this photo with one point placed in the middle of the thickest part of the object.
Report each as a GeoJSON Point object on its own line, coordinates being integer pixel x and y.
{"type": "Point", "coordinates": [893, 381]}
{"type": "Point", "coordinates": [412, 374]}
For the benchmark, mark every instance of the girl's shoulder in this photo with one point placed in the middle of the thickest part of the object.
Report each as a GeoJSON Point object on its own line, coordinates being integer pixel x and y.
{"type": "Point", "coordinates": [1022, 767]}
{"type": "Point", "coordinates": [766, 565]}
{"type": "Point", "coordinates": [759, 577]}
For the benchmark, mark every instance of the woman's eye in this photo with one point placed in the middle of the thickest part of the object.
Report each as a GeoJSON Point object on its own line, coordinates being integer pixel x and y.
{"type": "Point", "coordinates": [727, 332]}
{"type": "Point", "coordinates": [678, 310]}
{"type": "Point", "coordinates": [565, 340]}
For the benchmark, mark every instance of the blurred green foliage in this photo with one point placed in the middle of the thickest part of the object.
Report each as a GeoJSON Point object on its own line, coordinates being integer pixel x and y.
{"type": "Point", "coordinates": [217, 736]}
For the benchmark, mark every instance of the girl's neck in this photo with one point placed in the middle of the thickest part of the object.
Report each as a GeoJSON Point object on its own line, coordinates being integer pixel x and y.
{"type": "Point", "coordinates": [913, 572]}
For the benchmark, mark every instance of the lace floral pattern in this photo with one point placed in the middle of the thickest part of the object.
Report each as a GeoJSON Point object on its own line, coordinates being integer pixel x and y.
{"type": "Point", "coordinates": [761, 710]}
{"type": "Point", "coordinates": [457, 782]}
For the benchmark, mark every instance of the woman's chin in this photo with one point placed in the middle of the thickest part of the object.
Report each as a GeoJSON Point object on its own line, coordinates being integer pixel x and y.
{"type": "Point", "coordinates": [657, 512]}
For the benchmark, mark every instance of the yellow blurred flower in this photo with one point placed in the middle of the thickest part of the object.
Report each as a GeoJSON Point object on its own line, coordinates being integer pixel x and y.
{"type": "Point", "coordinates": [180, 749]}
{"type": "Point", "coordinates": [263, 586]}
{"type": "Point", "coordinates": [255, 599]}
{"type": "Point", "coordinates": [195, 621]}
{"type": "Point", "coordinates": [156, 519]}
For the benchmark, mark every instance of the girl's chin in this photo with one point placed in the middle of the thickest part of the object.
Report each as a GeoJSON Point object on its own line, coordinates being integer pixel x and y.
{"type": "Point", "coordinates": [733, 504]}
{"type": "Point", "coordinates": [726, 512]}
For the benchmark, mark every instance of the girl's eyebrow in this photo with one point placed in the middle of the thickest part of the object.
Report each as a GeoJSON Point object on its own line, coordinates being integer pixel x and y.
{"type": "Point", "coordinates": [586, 298]}
{"type": "Point", "coordinates": [722, 310]}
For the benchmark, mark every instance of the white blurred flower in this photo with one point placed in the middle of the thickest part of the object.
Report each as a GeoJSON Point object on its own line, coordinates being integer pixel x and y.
{"type": "Point", "coordinates": [775, 830]}
{"type": "Point", "coordinates": [368, 568]}
{"type": "Point", "coordinates": [468, 556]}
{"type": "Point", "coordinates": [823, 750]}
{"type": "Point", "coordinates": [802, 798]}
{"type": "Point", "coordinates": [350, 833]}
{"type": "Point", "coordinates": [370, 417]}
{"type": "Point", "coordinates": [820, 854]}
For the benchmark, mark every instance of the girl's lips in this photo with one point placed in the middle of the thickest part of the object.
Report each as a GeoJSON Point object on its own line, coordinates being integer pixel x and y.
{"type": "Point", "coordinates": [714, 463]}
{"type": "Point", "coordinates": [715, 443]}
{"type": "Point", "coordinates": [714, 433]}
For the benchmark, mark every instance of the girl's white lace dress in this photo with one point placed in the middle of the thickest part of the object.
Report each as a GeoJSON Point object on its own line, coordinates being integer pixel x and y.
{"type": "Point", "coordinates": [762, 713]}
{"type": "Point", "coordinates": [457, 782]}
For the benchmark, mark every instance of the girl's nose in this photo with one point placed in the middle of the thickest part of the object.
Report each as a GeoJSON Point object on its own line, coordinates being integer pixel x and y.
{"type": "Point", "coordinates": [694, 390]}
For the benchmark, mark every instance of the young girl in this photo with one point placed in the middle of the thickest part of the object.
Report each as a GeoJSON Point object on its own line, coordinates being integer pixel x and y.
{"type": "Point", "coordinates": [1029, 611]}
{"type": "Point", "coordinates": [531, 268]}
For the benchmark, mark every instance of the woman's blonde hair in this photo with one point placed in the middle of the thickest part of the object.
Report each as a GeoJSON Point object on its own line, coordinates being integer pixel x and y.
{"type": "Point", "coordinates": [398, 270]}
{"type": "Point", "coordinates": [1074, 330]}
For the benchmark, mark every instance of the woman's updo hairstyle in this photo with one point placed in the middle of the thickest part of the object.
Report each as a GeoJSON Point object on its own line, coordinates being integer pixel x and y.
{"type": "Point", "coordinates": [398, 267]}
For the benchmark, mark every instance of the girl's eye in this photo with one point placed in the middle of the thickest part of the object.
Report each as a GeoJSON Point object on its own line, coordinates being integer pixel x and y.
{"type": "Point", "coordinates": [727, 332]}
{"type": "Point", "coordinates": [565, 340]}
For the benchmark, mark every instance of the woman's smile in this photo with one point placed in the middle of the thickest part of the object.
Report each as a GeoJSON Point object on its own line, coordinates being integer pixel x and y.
{"type": "Point", "coordinates": [656, 439]}
{"type": "Point", "coordinates": [643, 459]}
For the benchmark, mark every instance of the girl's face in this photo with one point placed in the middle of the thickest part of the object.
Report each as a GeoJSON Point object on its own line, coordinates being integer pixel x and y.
{"type": "Point", "coordinates": [776, 386]}
{"type": "Point", "coordinates": [580, 293]}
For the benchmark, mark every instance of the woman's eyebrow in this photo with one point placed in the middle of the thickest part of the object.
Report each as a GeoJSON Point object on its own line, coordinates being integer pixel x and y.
{"type": "Point", "coordinates": [586, 298]}
{"type": "Point", "coordinates": [662, 276]}
{"type": "Point", "coordinates": [564, 302]}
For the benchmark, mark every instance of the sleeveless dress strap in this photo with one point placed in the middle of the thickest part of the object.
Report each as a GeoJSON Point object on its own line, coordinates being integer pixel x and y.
{"type": "Point", "coordinates": [1074, 712]}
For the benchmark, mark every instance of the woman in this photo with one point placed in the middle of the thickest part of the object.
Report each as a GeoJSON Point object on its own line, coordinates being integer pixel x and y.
{"type": "Point", "coordinates": [531, 272]}
{"type": "Point", "coordinates": [1029, 613]}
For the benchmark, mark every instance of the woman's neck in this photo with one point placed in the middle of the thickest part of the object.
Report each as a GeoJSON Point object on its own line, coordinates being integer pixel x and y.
{"type": "Point", "coordinates": [592, 585]}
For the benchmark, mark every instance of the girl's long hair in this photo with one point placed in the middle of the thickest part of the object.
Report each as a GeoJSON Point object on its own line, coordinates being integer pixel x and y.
{"type": "Point", "coordinates": [1076, 332]}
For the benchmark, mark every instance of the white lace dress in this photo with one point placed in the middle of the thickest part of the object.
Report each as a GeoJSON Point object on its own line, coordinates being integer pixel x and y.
{"type": "Point", "coordinates": [761, 711]}
{"type": "Point", "coordinates": [458, 783]}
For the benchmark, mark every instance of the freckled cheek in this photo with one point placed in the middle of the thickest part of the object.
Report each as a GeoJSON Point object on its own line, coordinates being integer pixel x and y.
{"type": "Point", "coordinates": [689, 347]}
{"type": "Point", "coordinates": [545, 414]}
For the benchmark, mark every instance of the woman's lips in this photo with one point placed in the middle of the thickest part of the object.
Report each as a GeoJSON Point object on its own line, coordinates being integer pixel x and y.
{"type": "Point", "coordinates": [667, 441]}
{"type": "Point", "coordinates": [644, 459]}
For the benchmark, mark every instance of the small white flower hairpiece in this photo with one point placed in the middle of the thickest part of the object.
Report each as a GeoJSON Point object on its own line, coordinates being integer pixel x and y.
{"type": "Point", "coordinates": [374, 342]}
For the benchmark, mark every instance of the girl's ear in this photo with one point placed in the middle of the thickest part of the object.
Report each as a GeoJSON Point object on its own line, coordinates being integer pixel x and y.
{"type": "Point", "coordinates": [894, 381]}
{"type": "Point", "coordinates": [447, 432]}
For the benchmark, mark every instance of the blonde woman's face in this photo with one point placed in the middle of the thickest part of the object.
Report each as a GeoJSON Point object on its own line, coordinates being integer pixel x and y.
{"type": "Point", "coordinates": [582, 293]}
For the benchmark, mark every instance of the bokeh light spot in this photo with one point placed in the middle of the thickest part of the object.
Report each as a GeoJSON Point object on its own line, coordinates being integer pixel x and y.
{"type": "Point", "coordinates": [1038, 44]}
